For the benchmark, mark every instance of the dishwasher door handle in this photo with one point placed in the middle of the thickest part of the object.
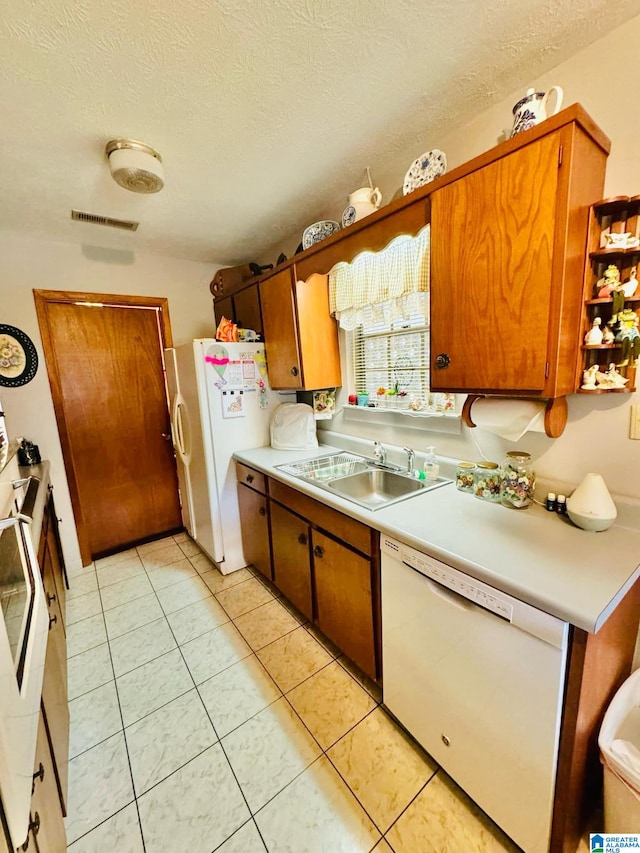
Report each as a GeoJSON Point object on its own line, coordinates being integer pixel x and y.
{"type": "Point", "coordinates": [450, 596]}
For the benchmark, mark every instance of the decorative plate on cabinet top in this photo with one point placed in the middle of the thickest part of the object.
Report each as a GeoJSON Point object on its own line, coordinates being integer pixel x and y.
{"type": "Point", "coordinates": [424, 169]}
{"type": "Point", "coordinates": [319, 231]}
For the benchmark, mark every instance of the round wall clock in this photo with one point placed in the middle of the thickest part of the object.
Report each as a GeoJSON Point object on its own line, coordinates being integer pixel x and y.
{"type": "Point", "coordinates": [18, 357]}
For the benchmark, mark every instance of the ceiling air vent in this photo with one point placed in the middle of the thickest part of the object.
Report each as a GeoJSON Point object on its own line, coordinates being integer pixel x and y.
{"type": "Point", "coordinates": [124, 224]}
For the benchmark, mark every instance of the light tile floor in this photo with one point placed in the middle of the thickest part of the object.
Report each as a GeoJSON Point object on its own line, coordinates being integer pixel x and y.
{"type": "Point", "coordinates": [207, 714]}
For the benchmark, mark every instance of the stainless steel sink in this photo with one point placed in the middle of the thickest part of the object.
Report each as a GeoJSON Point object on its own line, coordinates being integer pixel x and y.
{"type": "Point", "coordinates": [364, 481]}
{"type": "Point", "coordinates": [376, 487]}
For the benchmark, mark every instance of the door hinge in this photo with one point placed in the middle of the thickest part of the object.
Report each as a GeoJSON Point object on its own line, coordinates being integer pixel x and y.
{"type": "Point", "coordinates": [546, 370]}
{"type": "Point", "coordinates": [560, 153]}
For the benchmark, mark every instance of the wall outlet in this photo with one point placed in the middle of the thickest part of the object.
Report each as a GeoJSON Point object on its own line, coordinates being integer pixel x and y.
{"type": "Point", "coordinates": [634, 421]}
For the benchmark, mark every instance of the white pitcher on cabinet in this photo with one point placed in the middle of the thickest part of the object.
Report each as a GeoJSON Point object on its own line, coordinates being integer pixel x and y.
{"type": "Point", "coordinates": [532, 109]}
{"type": "Point", "coordinates": [362, 202]}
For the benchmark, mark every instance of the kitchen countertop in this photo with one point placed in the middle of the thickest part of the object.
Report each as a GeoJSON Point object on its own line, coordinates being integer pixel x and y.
{"type": "Point", "coordinates": [534, 555]}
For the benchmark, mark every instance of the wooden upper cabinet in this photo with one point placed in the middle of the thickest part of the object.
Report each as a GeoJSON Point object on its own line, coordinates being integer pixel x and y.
{"type": "Point", "coordinates": [507, 245]}
{"type": "Point", "coordinates": [301, 337]}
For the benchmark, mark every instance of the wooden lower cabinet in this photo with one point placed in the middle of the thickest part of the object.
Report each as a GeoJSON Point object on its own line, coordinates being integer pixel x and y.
{"type": "Point", "coordinates": [344, 600]}
{"type": "Point", "coordinates": [254, 517]}
{"type": "Point", "coordinates": [291, 564]}
{"type": "Point", "coordinates": [47, 825]}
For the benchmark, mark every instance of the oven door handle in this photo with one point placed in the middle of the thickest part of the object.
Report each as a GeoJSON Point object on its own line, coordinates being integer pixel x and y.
{"type": "Point", "coordinates": [25, 513]}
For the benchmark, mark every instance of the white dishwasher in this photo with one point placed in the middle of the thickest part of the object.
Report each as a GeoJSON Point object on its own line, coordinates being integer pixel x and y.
{"type": "Point", "coordinates": [477, 677]}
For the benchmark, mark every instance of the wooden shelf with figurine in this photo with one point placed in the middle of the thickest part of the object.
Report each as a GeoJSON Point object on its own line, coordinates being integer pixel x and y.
{"type": "Point", "coordinates": [611, 292]}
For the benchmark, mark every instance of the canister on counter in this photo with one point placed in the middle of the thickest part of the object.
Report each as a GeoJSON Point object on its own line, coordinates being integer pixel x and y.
{"type": "Point", "coordinates": [517, 480]}
{"type": "Point", "coordinates": [464, 477]}
{"type": "Point", "coordinates": [486, 481]}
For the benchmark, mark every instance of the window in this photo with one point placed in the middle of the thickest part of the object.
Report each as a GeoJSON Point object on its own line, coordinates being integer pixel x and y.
{"type": "Point", "coordinates": [392, 356]}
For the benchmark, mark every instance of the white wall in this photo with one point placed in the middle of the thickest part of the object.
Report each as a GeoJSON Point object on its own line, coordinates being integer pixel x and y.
{"type": "Point", "coordinates": [596, 437]}
{"type": "Point", "coordinates": [28, 263]}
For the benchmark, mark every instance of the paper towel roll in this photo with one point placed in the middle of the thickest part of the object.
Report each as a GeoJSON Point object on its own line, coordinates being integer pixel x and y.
{"type": "Point", "coordinates": [508, 418]}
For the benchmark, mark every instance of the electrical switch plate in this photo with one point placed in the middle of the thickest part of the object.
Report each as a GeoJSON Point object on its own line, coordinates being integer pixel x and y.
{"type": "Point", "coordinates": [634, 421]}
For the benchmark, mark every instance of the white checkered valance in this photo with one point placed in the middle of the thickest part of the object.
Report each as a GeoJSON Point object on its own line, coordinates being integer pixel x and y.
{"type": "Point", "coordinates": [389, 284]}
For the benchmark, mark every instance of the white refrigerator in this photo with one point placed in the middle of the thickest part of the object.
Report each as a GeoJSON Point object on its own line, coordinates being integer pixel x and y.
{"type": "Point", "coordinates": [220, 402]}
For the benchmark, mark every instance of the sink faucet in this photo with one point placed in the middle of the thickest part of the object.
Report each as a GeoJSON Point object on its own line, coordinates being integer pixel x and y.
{"type": "Point", "coordinates": [380, 452]}
{"type": "Point", "coordinates": [410, 457]}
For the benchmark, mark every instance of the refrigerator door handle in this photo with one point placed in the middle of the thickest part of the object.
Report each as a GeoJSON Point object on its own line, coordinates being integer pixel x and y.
{"type": "Point", "coordinates": [181, 430]}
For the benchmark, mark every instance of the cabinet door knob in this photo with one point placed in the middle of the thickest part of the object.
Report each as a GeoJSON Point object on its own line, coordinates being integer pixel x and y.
{"type": "Point", "coordinates": [318, 551]}
{"type": "Point", "coordinates": [50, 598]}
{"type": "Point", "coordinates": [294, 371]}
{"type": "Point", "coordinates": [39, 775]}
{"type": "Point", "coordinates": [34, 826]}
{"type": "Point", "coordinates": [262, 511]}
{"type": "Point", "coordinates": [52, 621]}
{"type": "Point", "coordinates": [249, 478]}
{"type": "Point", "coordinates": [302, 539]}
{"type": "Point", "coordinates": [442, 361]}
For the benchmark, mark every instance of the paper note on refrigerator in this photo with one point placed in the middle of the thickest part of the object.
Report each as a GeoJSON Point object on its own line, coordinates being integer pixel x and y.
{"type": "Point", "coordinates": [233, 404]}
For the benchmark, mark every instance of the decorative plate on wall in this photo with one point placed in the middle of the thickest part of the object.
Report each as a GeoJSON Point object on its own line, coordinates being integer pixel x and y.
{"type": "Point", "coordinates": [18, 357]}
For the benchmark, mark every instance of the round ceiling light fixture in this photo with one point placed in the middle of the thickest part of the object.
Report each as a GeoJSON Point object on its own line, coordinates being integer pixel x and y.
{"type": "Point", "coordinates": [135, 165]}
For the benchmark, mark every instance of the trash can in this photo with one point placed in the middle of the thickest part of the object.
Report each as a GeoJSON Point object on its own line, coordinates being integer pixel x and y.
{"type": "Point", "coordinates": [619, 743]}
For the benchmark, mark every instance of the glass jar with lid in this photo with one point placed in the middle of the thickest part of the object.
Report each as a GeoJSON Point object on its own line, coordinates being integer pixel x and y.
{"type": "Point", "coordinates": [464, 477]}
{"type": "Point", "coordinates": [486, 481]}
{"type": "Point", "coordinates": [517, 480]}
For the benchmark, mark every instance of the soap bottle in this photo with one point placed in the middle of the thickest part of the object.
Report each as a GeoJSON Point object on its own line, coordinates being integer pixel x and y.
{"type": "Point", "coordinates": [431, 467]}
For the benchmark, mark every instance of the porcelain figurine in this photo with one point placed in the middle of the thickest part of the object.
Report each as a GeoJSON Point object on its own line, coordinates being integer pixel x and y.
{"type": "Point", "coordinates": [622, 241]}
{"type": "Point", "coordinates": [362, 202]}
{"type": "Point", "coordinates": [594, 335]}
{"type": "Point", "coordinates": [607, 336]}
{"type": "Point", "coordinates": [532, 109]}
{"type": "Point", "coordinates": [611, 378]}
{"type": "Point", "coordinates": [589, 378]}
{"type": "Point", "coordinates": [630, 286]}
{"type": "Point", "coordinates": [609, 282]}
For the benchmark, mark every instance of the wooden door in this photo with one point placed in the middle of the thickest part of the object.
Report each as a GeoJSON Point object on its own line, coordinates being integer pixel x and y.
{"type": "Point", "coordinates": [105, 365]}
{"type": "Point", "coordinates": [492, 239]}
{"type": "Point", "coordinates": [344, 600]}
{"type": "Point", "coordinates": [291, 565]}
{"type": "Point", "coordinates": [280, 331]}
{"type": "Point", "coordinates": [254, 524]}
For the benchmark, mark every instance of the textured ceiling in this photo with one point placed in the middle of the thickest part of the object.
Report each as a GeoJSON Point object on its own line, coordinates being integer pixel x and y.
{"type": "Point", "coordinates": [266, 112]}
